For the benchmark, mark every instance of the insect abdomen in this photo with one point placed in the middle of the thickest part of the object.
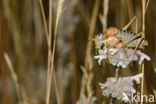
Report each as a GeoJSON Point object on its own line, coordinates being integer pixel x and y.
{"type": "Point", "coordinates": [127, 36]}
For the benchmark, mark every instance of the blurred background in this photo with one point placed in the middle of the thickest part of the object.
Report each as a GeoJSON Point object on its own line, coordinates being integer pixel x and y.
{"type": "Point", "coordinates": [23, 42]}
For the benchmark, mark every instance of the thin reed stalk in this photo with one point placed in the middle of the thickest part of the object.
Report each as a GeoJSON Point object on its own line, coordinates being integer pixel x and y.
{"type": "Point", "coordinates": [90, 34]}
{"type": "Point", "coordinates": [143, 29]}
{"type": "Point", "coordinates": [48, 37]}
{"type": "Point", "coordinates": [51, 72]}
{"type": "Point", "coordinates": [103, 17]}
{"type": "Point", "coordinates": [14, 76]}
{"type": "Point", "coordinates": [49, 54]}
{"type": "Point", "coordinates": [59, 11]}
{"type": "Point", "coordinates": [44, 19]}
{"type": "Point", "coordinates": [88, 60]}
{"type": "Point", "coordinates": [21, 95]}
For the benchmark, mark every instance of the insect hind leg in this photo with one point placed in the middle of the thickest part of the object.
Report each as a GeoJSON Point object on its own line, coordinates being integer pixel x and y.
{"type": "Point", "coordinates": [129, 23]}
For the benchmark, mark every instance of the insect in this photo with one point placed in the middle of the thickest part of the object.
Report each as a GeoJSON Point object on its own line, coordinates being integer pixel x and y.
{"type": "Point", "coordinates": [120, 47]}
{"type": "Point", "coordinates": [123, 38]}
{"type": "Point", "coordinates": [113, 37]}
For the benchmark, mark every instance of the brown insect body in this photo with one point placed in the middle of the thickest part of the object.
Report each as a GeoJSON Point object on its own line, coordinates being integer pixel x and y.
{"type": "Point", "coordinates": [111, 39]}
{"type": "Point", "coordinates": [111, 31]}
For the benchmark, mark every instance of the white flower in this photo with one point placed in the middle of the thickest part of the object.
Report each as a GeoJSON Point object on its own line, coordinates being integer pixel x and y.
{"type": "Point", "coordinates": [121, 64]}
{"type": "Point", "coordinates": [136, 78]}
{"type": "Point", "coordinates": [122, 88]}
{"type": "Point", "coordinates": [102, 55]}
{"type": "Point", "coordinates": [100, 58]}
{"type": "Point", "coordinates": [125, 98]}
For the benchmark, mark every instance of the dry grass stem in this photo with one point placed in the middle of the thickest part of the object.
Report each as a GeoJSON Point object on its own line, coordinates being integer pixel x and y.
{"type": "Point", "coordinates": [59, 11]}
{"type": "Point", "coordinates": [83, 82]}
{"type": "Point", "coordinates": [57, 91]}
{"type": "Point", "coordinates": [103, 17]}
{"type": "Point", "coordinates": [14, 76]}
{"type": "Point", "coordinates": [147, 4]}
{"type": "Point", "coordinates": [49, 54]}
{"type": "Point", "coordinates": [154, 91]}
{"type": "Point", "coordinates": [136, 26]}
{"type": "Point", "coordinates": [44, 19]}
{"type": "Point", "coordinates": [143, 35]}
{"type": "Point", "coordinates": [21, 95]}
{"type": "Point", "coordinates": [88, 60]}
{"type": "Point", "coordinates": [51, 72]}
{"type": "Point", "coordinates": [84, 13]}
{"type": "Point", "coordinates": [154, 67]}
{"type": "Point", "coordinates": [130, 8]}
{"type": "Point", "coordinates": [90, 34]}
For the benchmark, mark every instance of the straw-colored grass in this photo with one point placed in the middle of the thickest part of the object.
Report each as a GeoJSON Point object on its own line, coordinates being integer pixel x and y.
{"type": "Point", "coordinates": [21, 95]}
{"type": "Point", "coordinates": [88, 59]}
{"type": "Point", "coordinates": [143, 29]}
{"type": "Point", "coordinates": [51, 72]}
{"type": "Point", "coordinates": [103, 17]}
{"type": "Point", "coordinates": [51, 53]}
